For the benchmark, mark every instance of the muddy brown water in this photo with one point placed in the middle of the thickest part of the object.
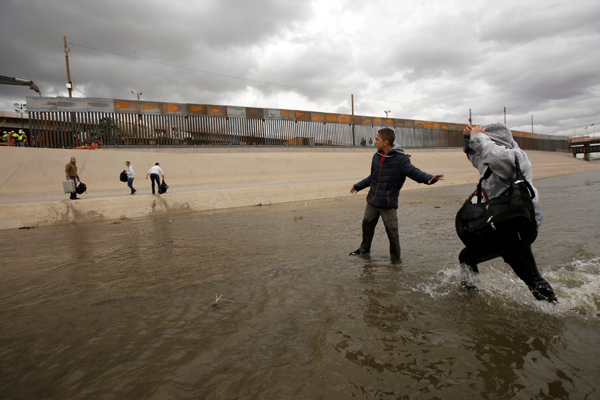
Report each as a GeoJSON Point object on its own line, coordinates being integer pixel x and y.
{"type": "Point", "coordinates": [123, 309]}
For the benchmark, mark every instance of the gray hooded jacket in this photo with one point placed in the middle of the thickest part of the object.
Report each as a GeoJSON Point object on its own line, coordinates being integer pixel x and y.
{"type": "Point", "coordinates": [496, 149]}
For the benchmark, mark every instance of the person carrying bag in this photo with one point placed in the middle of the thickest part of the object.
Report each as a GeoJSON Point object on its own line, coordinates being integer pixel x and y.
{"type": "Point", "coordinates": [506, 224]}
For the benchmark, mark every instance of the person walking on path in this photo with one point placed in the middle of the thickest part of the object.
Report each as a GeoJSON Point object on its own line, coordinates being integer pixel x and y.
{"type": "Point", "coordinates": [71, 173]}
{"type": "Point", "coordinates": [130, 176]}
{"type": "Point", "coordinates": [493, 147]}
{"type": "Point", "coordinates": [389, 169]}
{"type": "Point", "coordinates": [155, 172]}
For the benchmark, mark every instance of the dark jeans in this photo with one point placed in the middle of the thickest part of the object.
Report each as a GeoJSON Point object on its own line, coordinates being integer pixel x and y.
{"type": "Point", "coordinates": [522, 261]}
{"type": "Point", "coordinates": [74, 194]}
{"type": "Point", "coordinates": [130, 184]}
{"type": "Point", "coordinates": [155, 177]}
{"type": "Point", "coordinates": [390, 221]}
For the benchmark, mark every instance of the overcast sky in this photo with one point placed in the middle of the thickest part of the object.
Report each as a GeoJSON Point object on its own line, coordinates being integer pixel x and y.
{"type": "Point", "coordinates": [429, 60]}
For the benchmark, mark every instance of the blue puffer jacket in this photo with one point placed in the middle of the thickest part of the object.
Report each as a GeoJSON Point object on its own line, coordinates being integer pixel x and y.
{"type": "Point", "coordinates": [388, 173]}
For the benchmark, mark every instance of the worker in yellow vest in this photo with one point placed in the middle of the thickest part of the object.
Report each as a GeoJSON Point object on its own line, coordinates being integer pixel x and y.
{"type": "Point", "coordinates": [14, 137]}
{"type": "Point", "coordinates": [20, 137]}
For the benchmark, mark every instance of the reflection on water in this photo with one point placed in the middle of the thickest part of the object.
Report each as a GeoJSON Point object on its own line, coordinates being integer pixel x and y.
{"type": "Point", "coordinates": [123, 309]}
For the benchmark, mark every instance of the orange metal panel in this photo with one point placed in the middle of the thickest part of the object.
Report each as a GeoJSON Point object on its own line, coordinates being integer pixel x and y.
{"type": "Point", "coordinates": [317, 117]}
{"type": "Point", "coordinates": [216, 111]}
{"type": "Point", "coordinates": [174, 109]}
{"type": "Point", "coordinates": [288, 115]}
{"type": "Point", "coordinates": [344, 119]}
{"type": "Point", "coordinates": [151, 107]}
{"type": "Point", "coordinates": [196, 109]}
{"type": "Point", "coordinates": [124, 106]}
{"type": "Point", "coordinates": [332, 117]}
{"type": "Point", "coordinates": [302, 116]}
{"type": "Point", "coordinates": [357, 120]}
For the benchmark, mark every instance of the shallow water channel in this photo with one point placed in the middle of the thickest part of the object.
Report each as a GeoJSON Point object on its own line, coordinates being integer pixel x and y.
{"type": "Point", "coordinates": [124, 309]}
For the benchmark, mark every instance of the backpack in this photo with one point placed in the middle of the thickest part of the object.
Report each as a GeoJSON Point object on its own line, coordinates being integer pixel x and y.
{"type": "Point", "coordinates": [501, 224]}
{"type": "Point", "coordinates": [81, 188]}
{"type": "Point", "coordinates": [123, 176]}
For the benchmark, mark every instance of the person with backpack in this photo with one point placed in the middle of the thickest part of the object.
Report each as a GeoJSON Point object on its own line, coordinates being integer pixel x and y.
{"type": "Point", "coordinates": [130, 176]}
{"type": "Point", "coordinates": [493, 148]}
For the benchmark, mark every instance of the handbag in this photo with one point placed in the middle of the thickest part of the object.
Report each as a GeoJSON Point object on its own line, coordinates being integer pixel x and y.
{"type": "Point", "coordinates": [163, 187]}
{"type": "Point", "coordinates": [81, 188]}
{"type": "Point", "coordinates": [490, 229]}
{"type": "Point", "coordinates": [123, 176]}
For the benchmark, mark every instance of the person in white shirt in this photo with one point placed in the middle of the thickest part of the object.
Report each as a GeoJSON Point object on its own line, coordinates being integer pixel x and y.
{"type": "Point", "coordinates": [130, 176]}
{"type": "Point", "coordinates": [155, 173]}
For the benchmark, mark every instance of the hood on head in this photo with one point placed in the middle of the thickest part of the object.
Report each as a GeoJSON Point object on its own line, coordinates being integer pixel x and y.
{"type": "Point", "coordinates": [500, 134]}
{"type": "Point", "coordinates": [395, 148]}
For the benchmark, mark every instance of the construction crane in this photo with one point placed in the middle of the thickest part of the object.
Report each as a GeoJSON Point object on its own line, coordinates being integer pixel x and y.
{"type": "Point", "coordinates": [6, 80]}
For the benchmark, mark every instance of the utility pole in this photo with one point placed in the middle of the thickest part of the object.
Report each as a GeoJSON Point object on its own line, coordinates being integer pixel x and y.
{"type": "Point", "coordinates": [352, 101]}
{"type": "Point", "coordinates": [470, 120]}
{"type": "Point", "coordinates": [504, 115]}
{"type": "Point", "coordinates": [69, 83]}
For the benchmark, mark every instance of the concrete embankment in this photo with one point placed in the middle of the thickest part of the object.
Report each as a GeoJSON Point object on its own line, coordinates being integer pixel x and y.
{"type": "Point", "coordinates": [209, 178]}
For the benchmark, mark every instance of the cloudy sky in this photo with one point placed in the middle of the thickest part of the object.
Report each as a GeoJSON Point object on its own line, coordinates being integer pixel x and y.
{"type": "Point", "coordinates": [417, 59]}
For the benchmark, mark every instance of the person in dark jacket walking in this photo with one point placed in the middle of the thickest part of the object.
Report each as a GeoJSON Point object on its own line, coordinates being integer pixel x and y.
{"type": "Point", "coordinates": [389, 169]}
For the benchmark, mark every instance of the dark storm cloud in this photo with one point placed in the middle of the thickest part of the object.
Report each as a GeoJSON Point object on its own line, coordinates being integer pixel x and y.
{"type": "Point", "coordinates": [424, 60]}
{"type": "Point", "coordinates": [110, 40]}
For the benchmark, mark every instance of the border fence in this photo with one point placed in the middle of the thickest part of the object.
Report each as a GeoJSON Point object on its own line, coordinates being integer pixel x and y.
{"type": "Point", "coordinates": [62, 122]}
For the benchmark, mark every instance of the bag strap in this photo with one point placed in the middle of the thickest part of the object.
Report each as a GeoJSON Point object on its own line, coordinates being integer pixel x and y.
{"type": "Point", "coordinates": [480, 191]}
{"type": "Point", "coordinates": [519, 177]}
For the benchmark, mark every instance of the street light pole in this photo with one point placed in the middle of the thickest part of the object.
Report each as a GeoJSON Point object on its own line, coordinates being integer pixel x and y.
{"type": "Point", "coordinates": [19, 107]}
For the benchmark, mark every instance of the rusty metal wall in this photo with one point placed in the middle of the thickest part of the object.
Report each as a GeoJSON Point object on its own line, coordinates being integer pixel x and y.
{"type": "Point", "coordinates": [70, 122]}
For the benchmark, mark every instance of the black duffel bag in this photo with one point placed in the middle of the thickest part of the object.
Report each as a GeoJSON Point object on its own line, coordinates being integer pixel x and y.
{"type": "Point", "coordinates": [501, 224]}
{"type": "Point", "coordinates": [81, 188]}
{"type": "Point", "coordinates": [123, 176]}
{"type": "Point", "coordinates": [163, 187]}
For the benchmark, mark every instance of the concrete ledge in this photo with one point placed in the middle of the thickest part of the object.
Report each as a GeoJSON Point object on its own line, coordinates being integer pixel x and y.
{"type": "Point", "coordinates": [118, 208]}
{"type": "Point", "coordinates": [206, 179]}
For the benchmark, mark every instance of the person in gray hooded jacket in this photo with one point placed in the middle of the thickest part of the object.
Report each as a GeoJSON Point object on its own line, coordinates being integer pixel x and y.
{"type": "Point", "coordinates": [389, 169]}
{"type": "Point", "coordinates": [493, 147]}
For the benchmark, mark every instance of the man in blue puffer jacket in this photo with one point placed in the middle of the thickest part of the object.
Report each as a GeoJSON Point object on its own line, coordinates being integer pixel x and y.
{"type": "Point", "coordinates": [389, 169]}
